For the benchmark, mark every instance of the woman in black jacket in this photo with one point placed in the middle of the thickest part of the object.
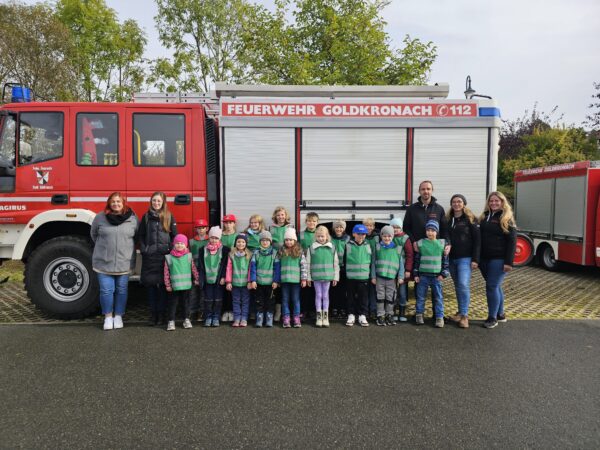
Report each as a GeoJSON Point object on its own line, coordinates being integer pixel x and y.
{"type": "Point", "coordinates": [156, 232]}
{"type": "Point", "coordinates": [498, 243]}
{"type": "Point", "coordinates": [464, 255]}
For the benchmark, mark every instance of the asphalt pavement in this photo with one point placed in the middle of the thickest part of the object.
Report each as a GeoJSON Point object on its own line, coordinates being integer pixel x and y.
{"type": "Point", "coordinates": [524, 384]}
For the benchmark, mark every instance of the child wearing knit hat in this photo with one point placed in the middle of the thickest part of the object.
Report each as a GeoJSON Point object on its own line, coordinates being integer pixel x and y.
{"type": "Point", "coordinates": [212, 264]}
{"type": "Point", "coordinates": [261, 280]}
{"type": "Point", "coordinates": [431, 266]}
{"type": "Point", "coordinates": [238, 281]}
{"type": "Point", "coordinates": [387, 271]}
{"type": "Point", "coordinates": [179, 275]}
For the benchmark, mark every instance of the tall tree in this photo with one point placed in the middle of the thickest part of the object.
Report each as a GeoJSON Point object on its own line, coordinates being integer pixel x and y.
{"type": "Point", "coordinates": [107, 51]}
{"type": "Point", "coordinates": [36, 51]}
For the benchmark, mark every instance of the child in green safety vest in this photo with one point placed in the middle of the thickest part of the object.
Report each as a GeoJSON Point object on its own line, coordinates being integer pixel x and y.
{"type": "Point", "coordinates": [290, 274]}
{"type": "Point", "coordinates": [179, 275]}
{"type": "Point", "coordinates": [337, 293]}
{"type": "Point", "coordinates": [228, 240]}
{"type": "Point", "coordinates": [238, 281]}
{"type": "Point", "coordinates": [256, 225]}
{"type": "Point", "coordinates": [430, 268]}
{"type": "Point", "coordinates": [373, 239]}
{"type": "Point", "coordinates": [261, 280]}
{"type": "Point", "coordinates": [323, 271]}
{"type": "Point", "coordinates": [211, 265]}
{"type": "Point", "coordinates": [387, 272]}
{"type": "Point", "coordinates": [198, 241]}
{"type": "Point", "coordinates": [401, 239]}
{"type": "Point", "coordinates": [306, 238]}
{"type": "Point", "coordinates": [357, 260]}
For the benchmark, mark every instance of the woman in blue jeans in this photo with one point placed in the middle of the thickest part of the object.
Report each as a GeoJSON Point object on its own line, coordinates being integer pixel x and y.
{"type": "Point", "coordinates": [498, 242]}
{"type": "Point", "coordinates": [113, 233]}
{"type": "Point", "coordinates": [464, 255]}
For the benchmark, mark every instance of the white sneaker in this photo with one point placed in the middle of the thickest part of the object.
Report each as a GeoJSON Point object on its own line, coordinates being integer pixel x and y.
{"type": "Point", "coordinates": [171, 325]}
{"type": "Point", "coordinates": [187, 323]}
{"type": "Point", "coordinates": [362, 320]}
{"type": "Point", "coordinates": [351, 320]}
{"type": "Point", "coordinates": [118, 322]}
{"type": "Point", "coordinates": [108, 323]}
{"type": "Point", "coordinates": [225, 317]}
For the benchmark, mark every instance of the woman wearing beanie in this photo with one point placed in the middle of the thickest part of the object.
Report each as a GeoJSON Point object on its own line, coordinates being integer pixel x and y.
{"type": "Point", "coordinates": [113, 234]}
{"type": "Point", "coordinates": [464, 255]}
{"type": "Point", "coordinates": [157, 229]}
{"type": "Point", "coordinates": [498, 243]}
{"type": "Point", "coordinates": [180, 275]}
{"type": "Point", "coordinates": [212, 264]}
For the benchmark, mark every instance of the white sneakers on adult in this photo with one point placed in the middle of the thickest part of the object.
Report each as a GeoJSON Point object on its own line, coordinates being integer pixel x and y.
{"type": "Point", "coordinates": [118, 322]}
{"type": "Point", "coordinates": [108, 323]}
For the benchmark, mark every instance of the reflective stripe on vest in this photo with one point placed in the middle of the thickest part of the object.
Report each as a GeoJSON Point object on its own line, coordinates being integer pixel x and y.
{"type": "Point", "coordinates": [290, 269]}
{"type": "Point", "coordinates": [264, 268]}
{"type": "Point", "coordinates": [180, 271]}
{"type": "Point", "coordinates": [212, 264]}
{"type": "Point", "coordinates": [431, 255]}
{"type": "Point", "coordinates": [358, 261]}
{"type": "Point", "coordinates": [387, 262]}
{"type": "Point", "coordinates": [321, 263]}
{"type": "Point", "coordinates": [240, 270]}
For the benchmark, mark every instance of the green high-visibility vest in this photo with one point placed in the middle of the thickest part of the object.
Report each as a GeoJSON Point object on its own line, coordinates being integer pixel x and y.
{"type": "Point", "coordinates": [400, 241]}
{"type": "Point", "coordinates": [321, 263]}
{"type": "Point", "coordinates": [253, 241]}
{"type": "Point", "coordinates": [212, 264]}
{"type": "Point", "coordinates": [387, 261]}
{"type": "Point", "coordinates": [431, 255]}
{"type": "Point", "coordinates": [290, 269]}
{"type": "Point", "coordinates": [180, 271]}
{"type": "Point", "coordinates": [240, 270]}
{"type": "Point", "coordinates": [373, 240]}
{"type": "Point", "coordinates": [340, 246]}
{"type": "Point", "coordinates": [264, 268]}
{"type": "Point", "coordinates": [307, 238]}
{"type": "Point", "coordinates": [196, 245]}
{"type": "Point", "coordinates": [358, 261]}
{"type": "Point", "coordinates": [278, 234]}
{"type": "Point", "coordinates": [228, 240]}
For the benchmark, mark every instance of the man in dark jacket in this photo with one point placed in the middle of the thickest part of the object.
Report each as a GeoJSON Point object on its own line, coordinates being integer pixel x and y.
{"type": "Point", "coordinates": [419, 213]}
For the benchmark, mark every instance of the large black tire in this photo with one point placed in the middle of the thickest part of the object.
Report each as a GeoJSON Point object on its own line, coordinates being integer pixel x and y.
{"type": "Point", "coordinates": [546, 258]}
{"type": "Point", "coordinates": [59, 278]}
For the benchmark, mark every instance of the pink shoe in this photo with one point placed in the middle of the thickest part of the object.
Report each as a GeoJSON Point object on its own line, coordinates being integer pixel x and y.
{"type": "Point", "coordinates": [286, 322]}
{"type": "Point", "coordinates": [235, 324]}
{"type": "Point", "coordinates": [297, 323]}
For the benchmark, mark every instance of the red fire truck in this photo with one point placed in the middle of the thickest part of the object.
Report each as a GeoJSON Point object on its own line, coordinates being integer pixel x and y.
{"type": "Point", "coordinates": [346, 152]}
{"type": "Point", "coordinates": [558, 213]}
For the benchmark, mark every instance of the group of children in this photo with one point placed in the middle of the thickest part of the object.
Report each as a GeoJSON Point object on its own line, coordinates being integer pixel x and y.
{"type": "Point", "coordinates": [362, 274]}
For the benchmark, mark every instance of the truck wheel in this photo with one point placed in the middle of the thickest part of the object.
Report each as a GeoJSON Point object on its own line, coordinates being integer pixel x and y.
{"type": "Point", "coordinates": [547, 258]}
{"type": "Point", "coordinates": [524, 250]}
{"type": "Point", "coordinates": [59, 278]}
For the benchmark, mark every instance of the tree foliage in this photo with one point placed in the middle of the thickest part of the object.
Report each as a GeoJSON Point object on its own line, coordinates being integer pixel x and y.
{"type": "Point", "coordinates": [36, 51]}
{"type": "Point", "coordinates": [592, 120]}
{"type": "Point", "coordinates": [109, 54]}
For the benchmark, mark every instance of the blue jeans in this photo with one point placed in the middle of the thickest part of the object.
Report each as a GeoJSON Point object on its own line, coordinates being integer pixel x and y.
{"type": "Point", "coordinates": [290, 291]}
{"type": "Point", "coordinates": [436, 290]}
{"type": "Point", "coordinates": [493, 273]}
{"type": "Point", "coordinates": [157, 299]}
{"type": "Point", "coordinates": [241, 302]}
{"type": "Point", "coordinates": [113, 293]}
{"type": "Point", "coordinates": [402, 294]}
{"type": "Point", "coordinates": [460, 270]}
{"type": "Point", "coordinates": [372, 298]}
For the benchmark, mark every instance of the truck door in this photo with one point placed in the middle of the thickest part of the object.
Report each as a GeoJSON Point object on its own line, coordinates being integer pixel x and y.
{"type": "Point", "coordinates": [161, 159]}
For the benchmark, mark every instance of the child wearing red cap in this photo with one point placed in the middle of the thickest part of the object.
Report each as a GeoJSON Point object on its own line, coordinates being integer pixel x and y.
{"type": "Point", "coordinates": [179, 275]}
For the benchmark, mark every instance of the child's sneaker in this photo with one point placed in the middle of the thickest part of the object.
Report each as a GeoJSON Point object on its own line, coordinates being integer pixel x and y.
{"type": "Point", "coordinates": [351, 320]}
{"type": "Point", "coordinates": [439, 322]}
{"type": "Point", "coordinates": [402, 315]}
{"type": "Point", "coordinates": [215, 322]}
{"type": "Point", "coordinates": [171, 325]}
{"type": "Point", "coordinates": [380, 321]}
{"type": "Point", "coordinates": [419, 319]}
{"type": "Point", "coordinates": [269, 320]}
{"type": "Point", "coordinates": [208, 322]}
{"type": "Point", "coordinates": [187, 324]}
{"type": "Point", "coordinates": [389, 320]}
{"type": "Point", "coordinates": [108, 323]}
{"type": "Point", "coordinates": [362, 321]}
{"type": "Point", "coordinates": [286, 322]}
{"type": "Point", "coordinates": [319, 322]}
{"type": "Point", "coordinates": [259, 320]}
{"type": "Point", "coordinates": [326, 319]}
{"type": "Point", "coordinates": [243, 323]}
{"type": "Point", "coordinates": [235, 324]}
{"type": "Point", "coordinates": [297, 322]}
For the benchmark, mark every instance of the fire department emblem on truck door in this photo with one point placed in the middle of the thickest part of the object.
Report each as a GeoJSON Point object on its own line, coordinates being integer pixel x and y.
{"type": "Point", "coordinates": [42, 176]}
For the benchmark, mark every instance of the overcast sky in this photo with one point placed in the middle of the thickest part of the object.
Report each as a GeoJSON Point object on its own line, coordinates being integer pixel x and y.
{"type": "Point", "coordinates": [518, 51]}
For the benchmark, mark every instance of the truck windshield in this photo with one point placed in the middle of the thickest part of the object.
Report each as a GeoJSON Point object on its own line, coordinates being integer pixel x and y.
{"type": "Point", "coordinates": [7, 153]}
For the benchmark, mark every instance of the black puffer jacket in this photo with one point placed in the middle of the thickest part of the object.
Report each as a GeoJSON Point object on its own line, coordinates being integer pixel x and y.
{"type": "Point", "coordinates": [495, 243]}
{"type": "Point", "coordinates": [418, 214]}
{"type": "Point", "coordinates": [155, 243]}
{"type": "Point", "coordinates": [466, 239]}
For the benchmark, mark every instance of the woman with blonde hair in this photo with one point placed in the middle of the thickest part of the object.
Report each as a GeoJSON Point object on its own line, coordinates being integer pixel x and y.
{"type": "Point", "coordinates": [464, 254]}
{"type": "Point", "coordinates": [498, 243]}
{"type": "Point", "coordinates": [157, 230]}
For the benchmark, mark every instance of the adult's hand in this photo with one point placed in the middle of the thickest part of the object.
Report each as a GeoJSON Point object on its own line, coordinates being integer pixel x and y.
{"type": "Point", "coordinates": [507, 268]}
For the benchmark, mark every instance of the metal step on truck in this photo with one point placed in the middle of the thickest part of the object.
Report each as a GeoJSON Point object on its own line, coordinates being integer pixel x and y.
{"type": "Point", "coordinates": [346, 152]}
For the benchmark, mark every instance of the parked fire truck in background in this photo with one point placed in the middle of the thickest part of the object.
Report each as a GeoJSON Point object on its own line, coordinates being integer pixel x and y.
{"type": "Point", "coordinates": [345, 152]}
{"type": "Point", "coordinates": [557, 210]}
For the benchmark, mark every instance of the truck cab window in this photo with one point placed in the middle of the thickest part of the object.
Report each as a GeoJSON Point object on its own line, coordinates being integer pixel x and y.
{"type": "Point", "coordinates": [41, 136]}
{"type": "Point", "coordinates": [159, 139]}
{"type": "Point", "coordinates": [97, 139]}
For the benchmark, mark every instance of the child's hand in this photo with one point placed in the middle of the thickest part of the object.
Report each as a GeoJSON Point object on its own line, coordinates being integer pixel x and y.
{"type": "Point", "coordinates": [303, 283]}
{"type": "Point", "coordinates": [222, 281]}
{"type": "Point", "coordinates": [334, 283]}
{"type": "Point", "coordinates": [373, 280]}
{"type": "Point", "coordinates": [406, 275]}
{"type": "Point", "coordinates": [169, 289]}
{"type": "Point", "coordinates": [417, 279]}
{"type": "Point", "coordinates": [252, 285]}
{"type": "Point", "coordinates": [274, 286]}
{"type": "Point", "coordinates": [439, 278]}
{"type": "Point", "coordinates": [229, 286]}
{"type": "Point", "coordinates": [309, 283]}
{"type": "Point", "coordinates": [196, 283]}
{"type": "Point", "coordinates": [415, 247]}
{"type": "Point", "coordinates": [400, 281]}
